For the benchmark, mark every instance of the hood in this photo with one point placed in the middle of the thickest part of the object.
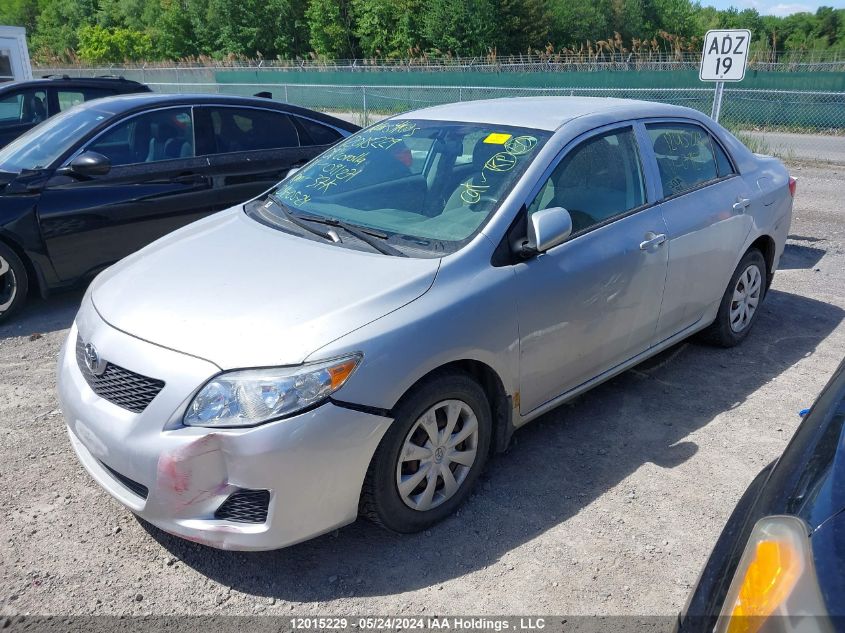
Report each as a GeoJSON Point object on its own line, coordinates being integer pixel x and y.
{"type": "Point", "coordinates": [240, 294]}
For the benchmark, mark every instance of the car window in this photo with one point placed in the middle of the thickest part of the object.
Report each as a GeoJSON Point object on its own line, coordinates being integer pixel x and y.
{"type": "Point", "coordinates": [599, 179]}
{"type": "Point", "coordinates": [251, 129]}
{"type": "Point", "coordinates": [6, 73]}
{"type": "Point", "coordinates": [313, 133]}
{"type": "Point", "coordinates": [684, 155]}
{"type": "Point", "coordinates": [723, 163]}
{"type": "Point", "coordinates": [22, 107]}
{"type": "Point", "coordinates": [150, 137]}
{"type": "Point", "coordinates": [70, 97]}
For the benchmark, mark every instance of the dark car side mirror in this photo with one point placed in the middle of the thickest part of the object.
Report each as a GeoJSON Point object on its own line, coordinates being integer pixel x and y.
{"type": "Point", "coordinates": [87, 164]}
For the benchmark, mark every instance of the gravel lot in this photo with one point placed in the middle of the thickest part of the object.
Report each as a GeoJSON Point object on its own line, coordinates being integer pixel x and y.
{"type": "Point", "coordinates": [609, 505]}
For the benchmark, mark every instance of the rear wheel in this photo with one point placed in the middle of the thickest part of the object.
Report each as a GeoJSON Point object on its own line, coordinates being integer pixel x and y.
{"type": "Point", "coordinates": [13, 282]}
{"type": "Point", "coordinates": [741, 302]}
{"type": "Point", "coordinates": [431, 455]}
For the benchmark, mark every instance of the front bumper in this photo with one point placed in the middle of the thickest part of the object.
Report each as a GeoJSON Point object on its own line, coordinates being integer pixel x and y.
{"type": "Point", "coordinates": [313, 464]}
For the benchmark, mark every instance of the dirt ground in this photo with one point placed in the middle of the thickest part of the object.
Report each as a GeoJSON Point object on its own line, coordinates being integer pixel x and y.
{"type": "Point", "coordinates": [608, 505]}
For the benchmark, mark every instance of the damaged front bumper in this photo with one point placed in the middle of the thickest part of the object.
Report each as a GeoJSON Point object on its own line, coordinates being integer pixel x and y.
{"type": "Point", "coordinates": [312, 465]}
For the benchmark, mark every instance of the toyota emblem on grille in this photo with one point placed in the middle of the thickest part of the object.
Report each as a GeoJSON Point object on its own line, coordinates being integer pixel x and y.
{"type": "Point", "coordinates": [93, 362]}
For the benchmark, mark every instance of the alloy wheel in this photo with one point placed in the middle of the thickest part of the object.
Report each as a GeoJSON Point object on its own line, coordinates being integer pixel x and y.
{"type": "Point", "coordinates": [437, 455]}
{"type": "Point", "coordinates": [746, 298]}
{"type": "Point", "coordinates": [8, 285]}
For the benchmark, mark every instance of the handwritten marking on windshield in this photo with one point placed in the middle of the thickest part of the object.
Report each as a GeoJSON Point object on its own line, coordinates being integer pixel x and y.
{"type": "Point", "coordinates": [403, 128]}
{"type": "Point", "coordinates": [341, 172]}
{"type": "Point", "coordinates": [355, 159]}
{"type": "Point", "coordinates": [500, 162]}
{"type": "Point", "coordinates": [290, 194]}
{"type": "Point", "coordinates": [472, 193]}
{"type": "Point", "coordinates": [520, 145]}
{"type": "Point", "coordinates": [377, 142]}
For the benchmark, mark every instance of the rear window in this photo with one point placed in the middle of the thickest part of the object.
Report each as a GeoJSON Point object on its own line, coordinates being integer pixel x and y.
{"type": "Point", "coordinates": [684, 155]}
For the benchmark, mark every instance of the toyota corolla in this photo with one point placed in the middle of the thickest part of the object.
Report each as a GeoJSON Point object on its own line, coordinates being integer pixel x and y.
{"type": "Point", "coordinates": [360, 339]}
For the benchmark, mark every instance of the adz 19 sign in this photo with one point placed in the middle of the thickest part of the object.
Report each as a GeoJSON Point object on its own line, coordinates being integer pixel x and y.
{"type": "Point", "coordinates": [724, 56]}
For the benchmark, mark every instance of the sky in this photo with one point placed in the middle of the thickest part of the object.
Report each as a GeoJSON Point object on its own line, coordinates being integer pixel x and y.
{"type": "Point", "coordinates": [776, 7]}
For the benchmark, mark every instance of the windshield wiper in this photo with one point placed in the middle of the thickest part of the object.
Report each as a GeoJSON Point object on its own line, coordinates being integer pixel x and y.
{"type": "Point", "coordinates": [369, 236]}
{"type": "Point", "coordinates": [331, 236]}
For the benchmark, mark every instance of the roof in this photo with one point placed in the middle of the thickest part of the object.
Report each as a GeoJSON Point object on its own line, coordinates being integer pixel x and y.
{"type": "Point", "coordinates": [124, 103]}
{"type": "Point", "coordinates": [545, 113]}
{"type": "Point", "coordinates": [116, 83]}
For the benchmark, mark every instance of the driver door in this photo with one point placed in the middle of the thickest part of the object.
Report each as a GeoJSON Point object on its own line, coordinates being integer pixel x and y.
{"type": "Point", "coordinates": [592, 302]}
{"type": "Point", "coordinates": [155, 185]}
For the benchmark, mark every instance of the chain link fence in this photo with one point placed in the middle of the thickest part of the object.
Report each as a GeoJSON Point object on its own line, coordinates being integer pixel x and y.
{"type": "Point", "coordinates": [797, 111]}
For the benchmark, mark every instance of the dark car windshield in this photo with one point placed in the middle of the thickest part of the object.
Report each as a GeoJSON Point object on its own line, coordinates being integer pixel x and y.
{"type": "Point", "coordinates": [41, 146]}
{"type": "Point", "coordinates": [432, 182]}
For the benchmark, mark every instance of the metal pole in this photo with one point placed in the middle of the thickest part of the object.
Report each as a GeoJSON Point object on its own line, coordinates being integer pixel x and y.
{"type": "Point", "coordinates": [717, 101]}
{"type": "Point", "coordinates": [364, 93]}
{"type": "Point", "coordinates": [286, 94]}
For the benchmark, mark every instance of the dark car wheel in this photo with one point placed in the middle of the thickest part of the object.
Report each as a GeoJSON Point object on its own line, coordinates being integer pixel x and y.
{"type": "Point", "coordinates": [431, 456]}
{"type": "Point", "coordinates": [13, 282]}
{"type": "Point", "coordinates": [740, 303]}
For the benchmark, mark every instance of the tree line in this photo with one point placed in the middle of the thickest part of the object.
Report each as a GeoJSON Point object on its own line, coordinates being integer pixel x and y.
{"type": "Point", "coordinates": [114, 31]}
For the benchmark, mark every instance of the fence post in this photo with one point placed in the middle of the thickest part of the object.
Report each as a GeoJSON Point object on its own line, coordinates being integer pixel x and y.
{"type": "Point", "coordinates": [286, 94]}
{"type": "Point", "coordinates": [460, 93]}
{"type": "Point", "coordinates": [717, 101]}
{"type": "Point", "coordinates": [364, 94]}
{"type": "Point", "coordinates": [178, 85]}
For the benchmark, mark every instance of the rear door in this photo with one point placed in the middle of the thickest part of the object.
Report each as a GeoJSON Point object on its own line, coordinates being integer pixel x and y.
{"type": "Point", "coordinates": [249, 149]}
{"type": "Point", "coordinates": [704, 204]}
{"type": "Point", "coordinates": [156, 184]}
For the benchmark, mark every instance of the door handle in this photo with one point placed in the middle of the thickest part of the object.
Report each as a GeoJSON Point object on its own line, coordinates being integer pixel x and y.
{"type": "Point", "coordinates": [740, 204]}
{"type": "Point", "coordinates": [651, 240]}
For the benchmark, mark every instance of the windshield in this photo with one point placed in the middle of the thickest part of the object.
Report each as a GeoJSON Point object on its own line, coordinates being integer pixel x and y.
{"type": "Point", "coordinates": [41, 146]}
{"type": "Point", "coordinates": [431, 182]}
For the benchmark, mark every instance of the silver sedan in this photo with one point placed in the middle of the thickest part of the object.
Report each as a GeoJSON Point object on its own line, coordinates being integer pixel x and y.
{"type": "Point", "coordinates": [359, 340]}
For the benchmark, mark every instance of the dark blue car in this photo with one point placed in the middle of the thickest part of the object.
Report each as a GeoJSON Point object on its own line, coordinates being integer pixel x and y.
{"type": "Point", "coordinates": [779, 564]}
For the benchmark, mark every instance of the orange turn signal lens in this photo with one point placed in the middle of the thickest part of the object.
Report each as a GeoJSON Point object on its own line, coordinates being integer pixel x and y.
{"type": "Point", "coordinates": [769, 579]}
{"type": "Point", "coordinates": [339, 373]}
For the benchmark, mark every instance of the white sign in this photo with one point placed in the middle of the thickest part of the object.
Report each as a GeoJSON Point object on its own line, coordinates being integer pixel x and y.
{"type": "Point", "coordinates": [725, 55]}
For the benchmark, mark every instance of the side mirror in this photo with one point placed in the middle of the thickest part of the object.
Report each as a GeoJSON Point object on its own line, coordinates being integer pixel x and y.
{"type": "Point", "coordinates": [548, 228]}
{"type": "Point", "coordinates": [88, 164]}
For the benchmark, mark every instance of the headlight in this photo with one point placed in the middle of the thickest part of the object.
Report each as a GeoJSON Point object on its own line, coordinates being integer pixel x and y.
{"type": "Point", "coordinates": [775, 577]}
{"type": "Point", "coordinates": [252, 396]}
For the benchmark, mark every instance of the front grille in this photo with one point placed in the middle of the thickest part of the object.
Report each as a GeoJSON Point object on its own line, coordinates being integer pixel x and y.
{"type": "Point", "coordinates": [245, 506]}
{"type": "Point", "coordinates": [139, 489]}
{"type": "Point", "coordinates": [119, 386]}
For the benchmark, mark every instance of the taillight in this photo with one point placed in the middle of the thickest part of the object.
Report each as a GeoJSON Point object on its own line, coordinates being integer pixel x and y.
{"type": "Point", "coordinates": [793, 185]}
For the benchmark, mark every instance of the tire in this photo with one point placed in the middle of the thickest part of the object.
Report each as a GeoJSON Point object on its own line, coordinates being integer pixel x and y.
{"type": "Point", "coordinates": [440, 399]}
{"type": "Point", "coordinates": [14, 282]}
{"type": "Point", "coordinates": [733, 321]}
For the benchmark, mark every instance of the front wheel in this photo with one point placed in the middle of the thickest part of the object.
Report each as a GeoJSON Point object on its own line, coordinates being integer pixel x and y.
{"type": "Point", "coordinates": [431, 455]}
{"type": "Point", "coordinates": [13, 282]}
{"type": "Point", "coordinates": [740, 303]}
